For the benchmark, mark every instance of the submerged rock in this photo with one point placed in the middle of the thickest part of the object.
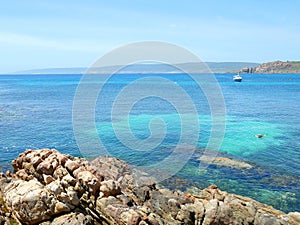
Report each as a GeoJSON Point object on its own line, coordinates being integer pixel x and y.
{"type": "Point", "coordinates": [225, 162]}
{"type": "Point", "coordinates": [51, 188]}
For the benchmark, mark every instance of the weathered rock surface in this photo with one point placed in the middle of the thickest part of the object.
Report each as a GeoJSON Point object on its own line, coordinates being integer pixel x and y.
{"type": "Point", "coordinates": [51, 188]}
{"type": "Point", "coordinates": [71, 219]}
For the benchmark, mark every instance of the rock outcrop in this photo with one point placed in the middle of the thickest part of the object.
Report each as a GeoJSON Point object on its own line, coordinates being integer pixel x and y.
{"type": "Point", "coordinates": [275, 67]}
{"type": "Point", "coordinates": [51, 188]}
{"type": "Point", "coordinates": [272, 67]}
{"type": "Point", "coordinates": [247, 69]}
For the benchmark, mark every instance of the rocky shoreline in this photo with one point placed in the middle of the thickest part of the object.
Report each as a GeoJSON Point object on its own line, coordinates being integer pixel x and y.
{"type": "Point", "coordinates": [51, 188]}
{"type": "Point", "coordinates": [276, 67]}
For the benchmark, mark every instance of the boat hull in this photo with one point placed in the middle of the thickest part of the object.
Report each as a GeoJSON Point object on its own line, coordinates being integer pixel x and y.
{"type": "Point", "coordinates": [237, 80]}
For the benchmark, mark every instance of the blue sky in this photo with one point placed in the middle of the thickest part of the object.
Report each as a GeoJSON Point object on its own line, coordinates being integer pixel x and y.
{"type": "Point", "coordinates": [69, 33]}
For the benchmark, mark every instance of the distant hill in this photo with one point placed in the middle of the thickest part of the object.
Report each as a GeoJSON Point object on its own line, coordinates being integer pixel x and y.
{"type": "Point", "coordinates": [216, 67]}
{"type": "Point", "coordinates": [275, 67]}
{"type": "Point", "coordinates": [75, 70]}
{"type": "Point", "coordinates": [278, 67]}
{"type": "Point", "coordinates": [230, 67]}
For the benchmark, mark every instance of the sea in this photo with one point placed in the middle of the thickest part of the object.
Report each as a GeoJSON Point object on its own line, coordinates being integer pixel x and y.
{"type": "Point", "coordinates": [37, 111]}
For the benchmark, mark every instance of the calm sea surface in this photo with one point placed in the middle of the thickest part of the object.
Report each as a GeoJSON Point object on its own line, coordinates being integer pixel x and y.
{"type": "Point", "coordinates": [36, 112]}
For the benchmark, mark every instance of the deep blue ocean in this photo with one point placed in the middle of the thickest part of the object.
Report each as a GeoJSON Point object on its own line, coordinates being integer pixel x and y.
{"type": "Point", "coordinates": [36, 112]}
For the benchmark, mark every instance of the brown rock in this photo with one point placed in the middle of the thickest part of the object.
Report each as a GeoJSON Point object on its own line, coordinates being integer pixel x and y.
{"type": "Point", "coordinates": [110, 188]}
{"type": "Point", "coordinates": [104, 202]}
{"type": "Point", "coordinates": [36, 160]}
{"type": "Point", "coordinates": [48, 179]}
{"type": "Point", "coordinates": [71, 165]}
{"type": "Point", "coordinates": [73, 219]}
{"type": "Point", "coordinates": [73, 196]}
{"type": "Point", "coordinates": [68, 180]}
{"type": "Point", "coordinates": [29, 201]}
{"type": "Point", "coordinates": [55, 187]}
{"type": "Point", "coordinates": [44, 153]}
{"type": "Point", "coordinates": [61, 159]}
{"type": "Point", "coordinates": [60, 172]}
{"type": "Point", "coordinates": [154, 219]}
{"type": "Point", "coordinates": [61, 207]}
{"type": "Point", "coordinates": [48, 165]}
{"type": "Point", "coordinates": [110, 168]}
{"type": "Point", "coordinates": [89, 181]}
{"type": "Point", "coordinates": [211, 209]}
{"type": "Point", "coordinates": [22, 174]}
{"type": "Point", "coordinates": [36, 197]}
{"type": "Point", "coordinates": [130, 217]}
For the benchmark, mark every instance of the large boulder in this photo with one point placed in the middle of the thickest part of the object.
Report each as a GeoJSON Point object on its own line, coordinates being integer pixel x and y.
{"type": "Point", "coordinates": [47, 183]}
{"type": "Point", "coordinates": [32, 202]}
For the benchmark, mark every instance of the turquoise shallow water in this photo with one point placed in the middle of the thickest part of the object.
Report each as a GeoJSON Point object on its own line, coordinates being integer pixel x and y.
{"type": "Point", "coordinates": [36, 112]}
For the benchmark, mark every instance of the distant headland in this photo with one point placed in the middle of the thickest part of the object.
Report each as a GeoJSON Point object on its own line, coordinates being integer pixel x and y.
{"type": "Point", "coordinates": [276, 67]}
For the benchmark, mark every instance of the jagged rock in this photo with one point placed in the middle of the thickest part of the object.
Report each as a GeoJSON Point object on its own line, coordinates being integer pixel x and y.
{"type": "Point", "coordinates": [68, 180]}
{"type": "Point", "coordinates": [211, 209]}
{"type": "Point", "coordinates": [23, 175]}
{"type": "Point", "coordinates": [71, 165]}
{"type": "Point", "coordinates": [47, 178]}
{"type": "Point", "coordinates": [60, 172]}
{"type": "Point", "coordinates": [114, 169]}
{"type": "Point", "coordinates": [110, 188]}
{"type": "Point", "coordinates": [53, 190]}
{"type": "Point", "coordinates": [130, 217]}
{"type": "Point", "coordinates": [48, 185]}
{"type": "Point", "coordinates": [89, 181]}
{"type": "Point", "coordinates": [187, 214]}
{"type": "Point", "coordinates": [48, 165]}
{"type": "Point", "coordinates": [31, 202]}
{"type": "Point", "coordinates": [154, 219]}
{"type": "Point", "coordinates": [61, 208]}
{"type": "Point", "coordinates": [73, 219]}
